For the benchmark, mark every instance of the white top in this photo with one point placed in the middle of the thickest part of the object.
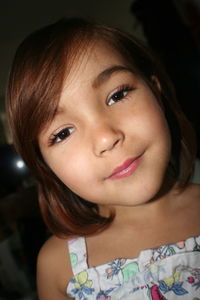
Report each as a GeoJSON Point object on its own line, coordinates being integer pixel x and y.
{"type": "Point", "coordinates": [167, 272]}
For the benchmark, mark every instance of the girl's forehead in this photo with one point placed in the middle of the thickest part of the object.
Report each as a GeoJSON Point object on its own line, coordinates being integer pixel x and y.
{"type": "Point", "coordinates": [87, 64]}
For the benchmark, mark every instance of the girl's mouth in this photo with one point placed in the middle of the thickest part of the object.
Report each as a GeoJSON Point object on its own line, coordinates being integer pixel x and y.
{"type": "Point", "coordinates": [126, 169]}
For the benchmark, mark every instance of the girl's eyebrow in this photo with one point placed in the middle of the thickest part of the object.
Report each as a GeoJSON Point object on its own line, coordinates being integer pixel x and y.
{"type": "Point", "coordinates": [105, 74]}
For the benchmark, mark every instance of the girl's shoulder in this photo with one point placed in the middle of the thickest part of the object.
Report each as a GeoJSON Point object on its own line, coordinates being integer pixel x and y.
{"type": "Point", "coordinates": [53, 269]}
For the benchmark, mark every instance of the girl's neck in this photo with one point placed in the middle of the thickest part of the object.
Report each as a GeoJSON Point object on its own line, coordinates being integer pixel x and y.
{"type": "Point", "coordinates": [161, 205]}
{"type": "Point", "coordinates": [170, 218]}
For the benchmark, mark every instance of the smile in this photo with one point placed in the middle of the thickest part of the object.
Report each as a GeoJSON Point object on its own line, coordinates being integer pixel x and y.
{"type": "Point", "coordinates": [126, 169]}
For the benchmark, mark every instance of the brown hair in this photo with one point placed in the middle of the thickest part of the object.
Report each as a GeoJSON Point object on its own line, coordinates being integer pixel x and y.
{"type": "Point", "coordinates": [41, 63]}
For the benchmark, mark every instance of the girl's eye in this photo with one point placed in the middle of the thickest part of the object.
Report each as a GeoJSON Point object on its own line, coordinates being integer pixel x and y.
{"type": "Point", "coordinates": [61, 135]}
{"type": "Point", "coordinates": [119, 95]}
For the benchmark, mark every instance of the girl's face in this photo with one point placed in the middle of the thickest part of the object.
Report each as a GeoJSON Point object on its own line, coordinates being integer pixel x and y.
{"type": "Point", "coordinates": [109, 141]}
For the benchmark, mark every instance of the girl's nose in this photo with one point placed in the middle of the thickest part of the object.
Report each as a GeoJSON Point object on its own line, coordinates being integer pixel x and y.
{"type": "Point", "coordinates": [105, 138]}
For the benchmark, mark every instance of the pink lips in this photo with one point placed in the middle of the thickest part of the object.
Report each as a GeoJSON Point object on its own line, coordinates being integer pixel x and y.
{"type": "Point", "coordinates": [126, 169]}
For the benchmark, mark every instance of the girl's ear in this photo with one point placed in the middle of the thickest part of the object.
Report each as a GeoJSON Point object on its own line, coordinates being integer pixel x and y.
{"type": "Point", "coordinates": [156, 82]}
{"type": "Point", "coordinates": [158, 88]}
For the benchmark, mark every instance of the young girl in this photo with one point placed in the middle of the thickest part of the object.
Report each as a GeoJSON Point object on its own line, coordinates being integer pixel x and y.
{"type": "Point", "coordinates": [96, 121]}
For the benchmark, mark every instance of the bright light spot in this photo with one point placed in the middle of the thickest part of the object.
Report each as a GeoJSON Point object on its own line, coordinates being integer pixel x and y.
{"type": "Point", "coordinates": [20, 164]}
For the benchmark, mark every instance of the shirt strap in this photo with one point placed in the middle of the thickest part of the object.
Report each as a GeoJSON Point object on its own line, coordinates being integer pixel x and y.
{"type": "Point", "coordinates": [78, 254]}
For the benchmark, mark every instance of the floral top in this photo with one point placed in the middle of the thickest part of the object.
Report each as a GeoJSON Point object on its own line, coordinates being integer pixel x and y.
{"type": "Point", "coordinates": [167, 272]}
